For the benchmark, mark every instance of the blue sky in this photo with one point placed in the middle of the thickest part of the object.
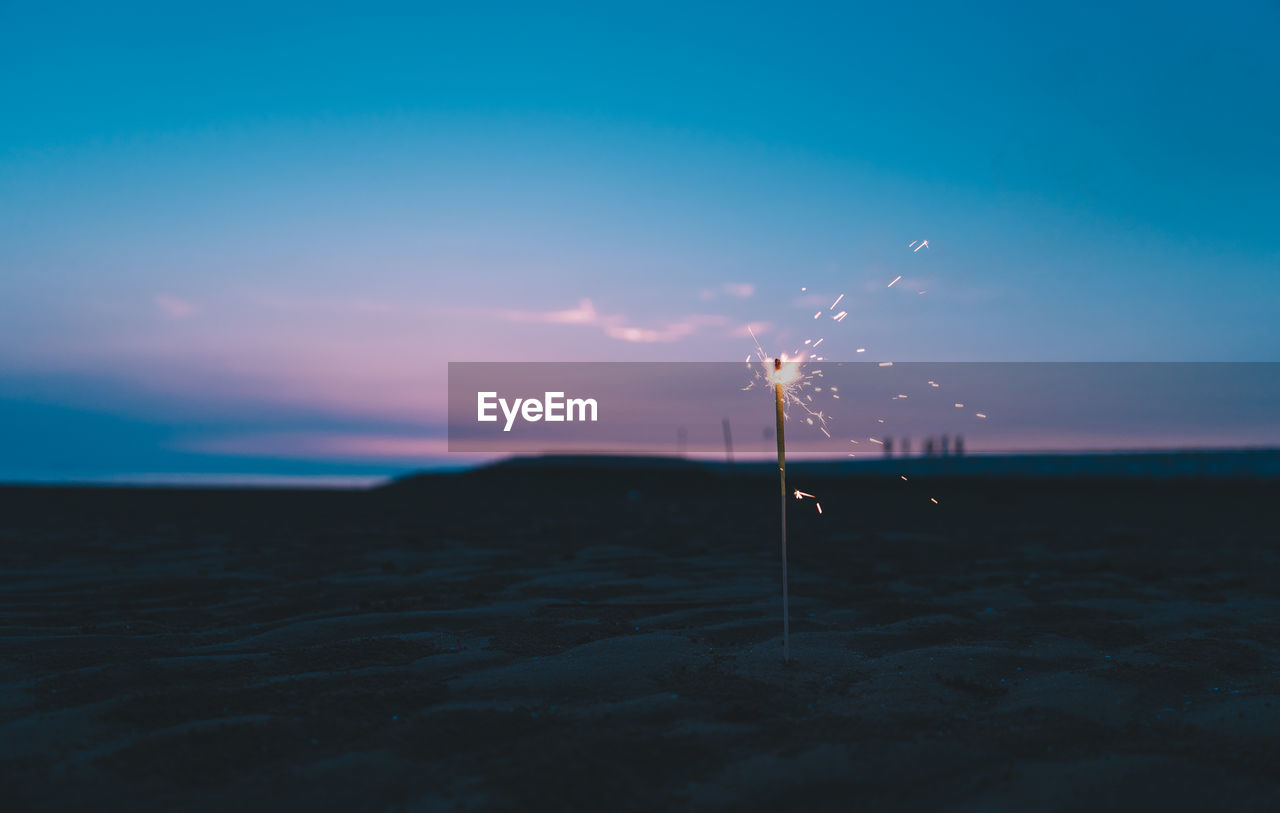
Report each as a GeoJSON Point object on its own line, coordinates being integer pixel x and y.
{"type": "Point", "coordinates": [237, 240]}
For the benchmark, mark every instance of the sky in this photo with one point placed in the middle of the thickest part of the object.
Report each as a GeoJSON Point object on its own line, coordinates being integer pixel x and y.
{"type": "Point", "coordinates": [246, 240]}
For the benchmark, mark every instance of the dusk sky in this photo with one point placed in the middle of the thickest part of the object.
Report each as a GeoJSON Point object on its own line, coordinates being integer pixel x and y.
{"type": "Point", "coordinates": [246, 241]}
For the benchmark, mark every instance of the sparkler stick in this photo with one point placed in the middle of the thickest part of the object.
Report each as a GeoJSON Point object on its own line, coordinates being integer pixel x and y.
{"type": "Point", "coordinates": [782, 477]}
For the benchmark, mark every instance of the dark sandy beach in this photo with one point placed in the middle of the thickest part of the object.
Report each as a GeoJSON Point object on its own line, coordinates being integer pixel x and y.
{"type": "Point", "coordinates": [578, 637]}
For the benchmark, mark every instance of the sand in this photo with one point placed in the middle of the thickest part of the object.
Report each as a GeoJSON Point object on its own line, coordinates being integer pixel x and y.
{"type": "Point", "coordinates": [569, 637]}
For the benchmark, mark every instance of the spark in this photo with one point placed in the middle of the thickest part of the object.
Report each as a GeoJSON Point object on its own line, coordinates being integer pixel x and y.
{"type": "Point", "coordinates": [788, 372]}
{"type": "Point", "coordinates": [923, 244]}
{"type": "Point", "coordinates": [800, 495]}
{"type": "Point", "coordinates": [818, 315]}
{"type": "Point", "coordinates": [912, 243]}
{"type": "Point", "coordinates": [818, 342]}
{"type": "Point", "coordinates": [837, 302]}
{"type": "Point", "coordinates": [819, 507]}
{"type": "Point", "coordinates": [904, 477]}
{"type": "Point", "coordinates": [861, 350]}
{"type": "Point", "coordinates": [885, 364]}
{"type": "Point", "coordinates": [839, 317]}
{"type": "Point", "coordinates": [959, 406]}
{"type": "Point", "coordinates": [873, 440]}
{"type": "Point", "coordinates": [933, 500]}
{"type": "Point", "coordinates": [895, 279]}
{"type": "Point", "coordinates": [981, 414]}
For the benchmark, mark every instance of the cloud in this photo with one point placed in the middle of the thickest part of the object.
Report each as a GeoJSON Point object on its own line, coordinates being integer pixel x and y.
{"type": "Point", "coordinates": [745, 331]}
{"type": "Point", "coordinates": [616, 326]}
{"type": "Point", "coordinates": [741, 290]}
{"type": "Point", "coordinates": [173, 307]}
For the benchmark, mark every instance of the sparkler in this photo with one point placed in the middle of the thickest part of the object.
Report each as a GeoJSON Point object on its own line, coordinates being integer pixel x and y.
{"type": "Point", "coordinates": [778, 383]}
{"type": "Point", "coordinates": [791, 385]}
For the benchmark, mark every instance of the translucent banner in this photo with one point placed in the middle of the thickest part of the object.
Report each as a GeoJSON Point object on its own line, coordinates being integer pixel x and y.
{"type": "Point", "coordinates": [860, 409]}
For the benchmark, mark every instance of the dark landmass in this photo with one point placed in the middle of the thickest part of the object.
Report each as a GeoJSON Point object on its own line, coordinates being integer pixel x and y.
{"type": "Point", "coordinates": [571, 634]}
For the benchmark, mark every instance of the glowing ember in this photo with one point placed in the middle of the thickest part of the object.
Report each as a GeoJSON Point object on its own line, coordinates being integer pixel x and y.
{"type": "Point", "coordinates": [795, 384]}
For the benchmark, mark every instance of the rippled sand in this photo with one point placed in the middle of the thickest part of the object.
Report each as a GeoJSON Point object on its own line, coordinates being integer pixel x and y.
{"type": "Point", "coordinates": [610, 638]}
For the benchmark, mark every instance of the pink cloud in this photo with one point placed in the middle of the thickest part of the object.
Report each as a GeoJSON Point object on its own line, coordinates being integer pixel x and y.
{"type": "Point", "coordinates": [616, 326]}
{"type": "Point", "coordinates": [741, 290]}
{"type": "Point", "coordinates": [746, 331]}
{"type": "Point", "coordinates": [173, 307]}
